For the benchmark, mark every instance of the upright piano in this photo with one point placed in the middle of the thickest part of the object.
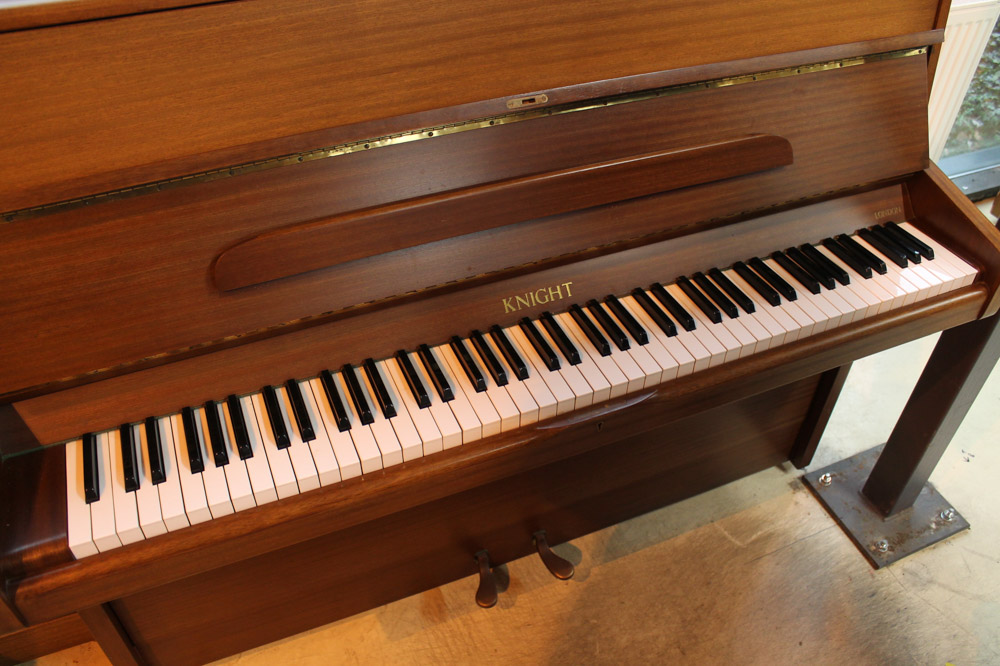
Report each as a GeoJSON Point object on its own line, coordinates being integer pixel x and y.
{"type": "Point", "coordinates": [309, 306]}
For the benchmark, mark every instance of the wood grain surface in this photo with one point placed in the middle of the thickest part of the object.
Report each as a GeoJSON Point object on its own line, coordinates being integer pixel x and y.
{"type": "Point", "coordinates": [151, 87]}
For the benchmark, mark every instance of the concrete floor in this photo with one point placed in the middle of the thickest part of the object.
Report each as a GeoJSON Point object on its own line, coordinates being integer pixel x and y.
{"type": "Point", "coordinates": [754, 572]}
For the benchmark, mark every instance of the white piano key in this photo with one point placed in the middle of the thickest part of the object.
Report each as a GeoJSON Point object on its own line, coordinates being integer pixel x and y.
{"type": "Point", "coordinates": [790, 329]}
{"type": "Point", "coordinates": [761, 316]}
{"type": "Point", "coordinates": [299, 452]}
{"type": "Point", "coordinates": [444, 418]}
{"type": "Point", "coordinates": [214, 478]}
{"type": "Point", "coordinates": [280, 465]}
{"type": "Point", "coordinates": [713, 338]}
{"type": "Point", "coordinates": [510, 415]}
{"type": "Point", "coordinates": [126, 511]}
{"type": "Point", "coordinates": [78, 527]}
{"type": "Point", "coordinates": [258, 470]}
{"type": "Point", "coordinates": [942, 253]}
{"type": "Point", "coordinates": [428, 432]}
{"type": "Point", "coordinates": [102, 512]}
{"type": "Point", "coordinates": [460, 406]}
{"type": "Point", "coordinates": [518, 391]}
{"type": "Point", "coordinates": [689, 340]}
{"type": "Point", "coordinates": [818, 308]}
{"type": "Point", "coordinates": [893, 280]}
{"type": "Point", "coordinates": [575, 380]}
{"type": "Point", "coordinates": [237, 477]}
{"type": "Point", "coordinates": [487, 414]}
{"type": "Point", "coordinates": [548, 404]}
{"type": "Point", "coordinates": [565, 398]}
{"type": "Point", "coordinates": [669, 366]}
{"type": "Point", "coordinates": [402, 422]}
{"type": "Point", "coordinates": [347, 457]}
{"type": "Point", "coordinates": [327, 464]}
{"type": "Point", "coordinates": [602, 387]}
{"type": "Point", "coordinates": [857, 287]}
{"type": "Point", "coordinates": [361, 435]}
{"type": "Point", "coordinates": [651, 370]}
{"type": "Point", "coordinates": [617, 381]}
{"type": "Point", "coordinates": [944, 273]}
{"type": "Point", "coordinates": [382, 431]}
{"type": "Point", "coordinates": [886, 300]}
{"type": "Point", "coordinates": [191, 483]}
{"type": "Point", "coordinates": [147, 497]}
{"type": "Point", "coordinates": [171, 498]}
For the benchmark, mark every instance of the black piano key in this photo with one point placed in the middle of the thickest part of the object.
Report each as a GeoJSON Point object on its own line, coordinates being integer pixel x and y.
{"type": "Point", "coordinates": [130, 459]}
{"type": "Point", "coordinates": [274, 417]}
{"type": "Point", "coordinates": [862, 253]}
{"type": "Point", "coordinates": [469, 365]}
{"type": "Point", "coordinates": [534, 336]}
{"type": "Point", "coordinates": [856, 263]}
{"type": "Point", "coordinates": [492, 363]}
{"type": "Point", "coordinates": [91, 473]}
{"type": "Point", "coordinates": [413, 380]}
{"type": "Point", "coordinates": [803, 278]}
{"type": "Point", "coordinates": [299, 410]}
{"type": "Point", "coordinates": [361, 405]}
{"type": "Point", "coordinates": [195, 460]}
{"type": "Point", "coordinates": [590, 330]}
{"type": "Point", "coordinates": [700, 300]}
{"type": "Point", "coordinates": [894, 255]}
{"type": "Point", "coordinates": [682, 316]}
{"type": "Point", "coordinates": [378, 386]}
{"type": "Point", "coordinates": [889, 241]}
{"type": "Point", "coordinates": [340, 412]}
{"type": "Point", "coordinates": [608, 324]}
{"type": "Point", "coordinates": [811, 267]}
{"type": "Point", "coordinates": [823, 262]}
{"type": "Point", "coordinates": [773, 279]}
{"type": "Point", "coordinates": [903, 235]}
{"type": "Point", "coordinates": [215, 438]}
{"type": "Point", "coordinates": [434, 371]}
{"type": "Point", "coordinates": [514, 360]}
{"type": "Point", "coordinates": [239, 427]}
{"type": "Point", "coordinates": [154, 447]}
{"type": "Point", "coordinates": [735, 293]}
{"type": "Point", "coordinates": [717, 297]}
{"type": "Point", "coordinates": [633, 327]}
{"type": "Point", "coordinates": [660, 317]}
{"type": "Point", "coordinates": [562, 340]}
{"type": "Point", "coordinates": [758, 283]}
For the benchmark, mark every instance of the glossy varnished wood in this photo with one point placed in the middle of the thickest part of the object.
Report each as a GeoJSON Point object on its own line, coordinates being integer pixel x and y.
{"type": "Point", "coordinates": [32, 642]}
{"type": "Point", "coordinates": [409, 551]}
{"type": "Point", "coordinates": [140, 268]}
{"type": "Point", "coordinates": [371, 232]}
{"type": "Point", "coordinates": [276, 69]}
{"type": "Point", "coordinates": [827, 392]}
{"type": "Point", "coordinates": [107, 630]}
{"type": "Point", "coordinates": [55, 591]}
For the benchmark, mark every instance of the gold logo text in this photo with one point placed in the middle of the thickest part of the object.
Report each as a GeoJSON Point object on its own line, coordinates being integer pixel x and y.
{"type": "Point", "coordinates": [537, 297]}
{"type": "Point", "coordinates": [881, 214]}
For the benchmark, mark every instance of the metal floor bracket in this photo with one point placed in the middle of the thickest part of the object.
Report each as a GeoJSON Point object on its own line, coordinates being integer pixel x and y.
{"type": "Point", "coordinates": [882, 540]}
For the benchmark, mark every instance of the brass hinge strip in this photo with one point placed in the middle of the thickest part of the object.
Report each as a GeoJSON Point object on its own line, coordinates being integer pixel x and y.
{"type": "Point", "coordinates": [444, 130]}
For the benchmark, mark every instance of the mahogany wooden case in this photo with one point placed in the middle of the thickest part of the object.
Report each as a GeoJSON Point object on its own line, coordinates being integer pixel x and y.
{"type": "Point", "coordinates": [253, 196]}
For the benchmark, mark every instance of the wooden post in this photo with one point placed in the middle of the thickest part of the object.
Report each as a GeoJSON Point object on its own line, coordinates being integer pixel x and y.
{"type": "Point", "coordinates": [951, 380]}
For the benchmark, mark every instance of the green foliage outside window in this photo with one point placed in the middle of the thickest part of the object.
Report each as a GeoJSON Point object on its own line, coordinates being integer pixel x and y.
{"type": "Point", "coordinates": [978, 122]}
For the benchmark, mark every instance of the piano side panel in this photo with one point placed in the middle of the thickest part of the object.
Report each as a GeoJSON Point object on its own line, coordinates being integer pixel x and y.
{"type": "Point", "coordinates": [131, 279]}
{"type": "Point", "coordinates": [293, 589]}
{"type": "Point", "coordinates": [191, 81]}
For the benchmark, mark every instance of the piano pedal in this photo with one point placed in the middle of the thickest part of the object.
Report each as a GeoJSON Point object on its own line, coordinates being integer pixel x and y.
{"type": "Point", "coordinates": [486, 595]}
{"type": "Point", "coordinates": [559, 567]}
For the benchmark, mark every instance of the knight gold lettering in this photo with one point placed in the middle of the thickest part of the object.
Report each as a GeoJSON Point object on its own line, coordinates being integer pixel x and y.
{"type": "Point", "coordinates": [540, 296]}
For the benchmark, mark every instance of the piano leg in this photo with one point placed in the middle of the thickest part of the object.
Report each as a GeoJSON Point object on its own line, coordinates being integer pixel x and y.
{"type": "Point", "coordinates": [830, 384]}
{"type": "Point", "coordinates": [893, 511]}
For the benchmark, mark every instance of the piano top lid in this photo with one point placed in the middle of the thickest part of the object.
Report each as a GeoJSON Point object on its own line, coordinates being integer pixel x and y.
{"type": "Point", "coordinates": [166, 93]}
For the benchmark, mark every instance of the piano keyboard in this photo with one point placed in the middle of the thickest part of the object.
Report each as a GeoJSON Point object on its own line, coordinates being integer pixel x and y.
{"type": "Point", "coordinates": [164, 474]}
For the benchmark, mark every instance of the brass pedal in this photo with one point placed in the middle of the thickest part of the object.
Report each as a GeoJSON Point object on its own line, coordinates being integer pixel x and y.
{"type": "Point", "coordinates": [559, 567]}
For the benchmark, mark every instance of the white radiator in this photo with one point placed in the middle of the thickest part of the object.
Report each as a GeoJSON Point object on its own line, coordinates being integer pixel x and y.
{"type": "Point", "coordinates": [969, 27]}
